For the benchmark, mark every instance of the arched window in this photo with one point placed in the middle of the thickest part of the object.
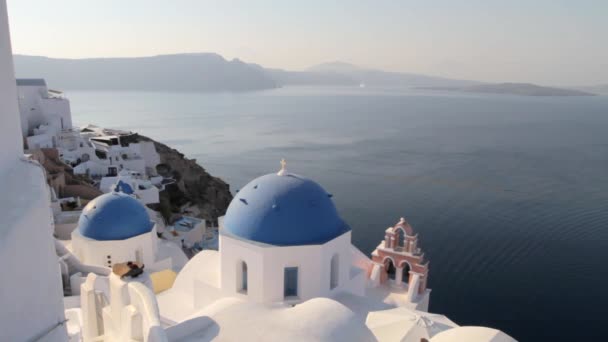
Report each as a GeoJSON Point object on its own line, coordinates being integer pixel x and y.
{"type": "Point", "coordinates": [400, 240]}
{"type": "Point", "coordinates": [242, 277]}
{"type": "Point", "coordinates": [405, 275]}
{"type": "Point", "coordinates": [334, 276]}
{"type": "Point", "coordinates": [390, 268]}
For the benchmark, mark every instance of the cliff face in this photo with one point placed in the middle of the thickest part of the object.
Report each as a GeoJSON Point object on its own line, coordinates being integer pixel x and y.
{"type": "Point", "coordinates": [190, 188]}
{"type": "Point", "coordinates": [205, 196]}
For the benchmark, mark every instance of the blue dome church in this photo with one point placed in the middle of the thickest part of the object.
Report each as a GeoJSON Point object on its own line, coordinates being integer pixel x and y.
{"type": "Point", "coordinates": [114, 216]}
{"type": "Point", "coordinates": [284, 210]}
{"type": "Point", "coordinates": [116, 228]}
{"type": "Point", "coordinates": [282, 240]}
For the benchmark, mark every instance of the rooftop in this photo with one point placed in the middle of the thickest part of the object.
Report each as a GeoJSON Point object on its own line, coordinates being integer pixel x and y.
{"type": "Point", "coordinates": [212, 314]}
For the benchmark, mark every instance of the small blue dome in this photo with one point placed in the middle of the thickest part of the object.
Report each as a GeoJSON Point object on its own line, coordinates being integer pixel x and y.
{"type": "Point", "coordinates": [286, 210]}
{"type": "Point", "coordinates": [123, 187]}
{"type": "Point", "coordinates": [114, 216]}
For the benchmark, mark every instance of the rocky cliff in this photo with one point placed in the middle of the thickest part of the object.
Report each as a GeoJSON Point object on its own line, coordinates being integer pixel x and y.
{"type": "Point", "coordinates": [189, 189]}
{"type": "Point", "coordinates": [194, 190]}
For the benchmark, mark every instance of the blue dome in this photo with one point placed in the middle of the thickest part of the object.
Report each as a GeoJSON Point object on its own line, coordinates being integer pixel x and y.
{"type": "Point", "coordinates": [123, 187]}
{"type": "Point", "coordinates": [285, 210]}
{"type": "Point", "coordinates": [114, 216]}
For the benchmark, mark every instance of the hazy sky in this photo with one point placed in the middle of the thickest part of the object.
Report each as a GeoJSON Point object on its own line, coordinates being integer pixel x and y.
{"type": "Point", "coordinates": [543, 41]}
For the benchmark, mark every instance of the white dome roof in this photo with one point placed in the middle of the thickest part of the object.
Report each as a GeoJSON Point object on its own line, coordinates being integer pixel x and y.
{"type": "Point", "coordinates": [472, 334]}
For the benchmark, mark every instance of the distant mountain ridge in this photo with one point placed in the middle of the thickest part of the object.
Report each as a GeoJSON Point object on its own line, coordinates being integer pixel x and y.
{"type": "Point", "coordinates": [203, 72]}
{"type": "Point", "coordinates": [180, 72]}
{"type": "Point", "coordinates": [598, 89]}
{"type": "Point", "coordinates": [524, 89]}
{"type": "Point", "coordinates": [341, 73]}
{"type": "Point", "coordinates": [210, 72]}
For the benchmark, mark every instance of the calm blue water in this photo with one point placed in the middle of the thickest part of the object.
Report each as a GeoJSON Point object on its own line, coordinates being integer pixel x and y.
{"type": "Point", "coordinates": [509, 194]}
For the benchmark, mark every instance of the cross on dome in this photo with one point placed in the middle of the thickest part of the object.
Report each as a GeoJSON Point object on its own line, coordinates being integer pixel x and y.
{"type": "Point", "coordinates": [283, 170]}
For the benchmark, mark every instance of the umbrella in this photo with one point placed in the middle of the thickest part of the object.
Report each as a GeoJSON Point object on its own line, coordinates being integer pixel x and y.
{"type": "Point", "coordinates": [403, 324]}
{"type": "Point", "coordinates": [478, 334]}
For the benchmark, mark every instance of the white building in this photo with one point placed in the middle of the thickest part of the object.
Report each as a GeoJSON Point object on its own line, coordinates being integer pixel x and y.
{"type": "Point", "coordinates": [283, 241]}
{"type": "Point", "coordinates": [100, 152]}
{"type": "Point", "coordinates": [132, 183]}
{"type": "Point", "coordinates": [31, 296]}
{"type": "Point", "coordinates": [44, 113]}
{"type": "Point", "coordinates": [46, 122]}
{"type": "Point", "coordinates": [187, 231]}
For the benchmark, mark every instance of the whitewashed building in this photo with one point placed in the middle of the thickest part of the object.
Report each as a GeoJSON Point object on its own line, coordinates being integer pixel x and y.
{"type": "Point", "coordinates": [116, 228]}
{"type": "Point", "coordinates": [132, 183]}
{"type": "Point", "coordinates": [187, 231]}
{"type": "Point", "coordinates": [100, 152]}
{"type": "Point", "coordinates": [45, 113]}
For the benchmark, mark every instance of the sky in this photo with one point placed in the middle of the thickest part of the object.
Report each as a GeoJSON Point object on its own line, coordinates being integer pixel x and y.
{"type": "Point", "coordinates": [548, 42]}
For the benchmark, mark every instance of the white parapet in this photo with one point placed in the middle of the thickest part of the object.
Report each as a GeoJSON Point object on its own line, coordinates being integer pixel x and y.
{"type": "Point", "coordinates": [11, 145]}
{"type": "Point", "coordinates": [31, 294]}
{"type": "Point", "coordinates": [129, 314]}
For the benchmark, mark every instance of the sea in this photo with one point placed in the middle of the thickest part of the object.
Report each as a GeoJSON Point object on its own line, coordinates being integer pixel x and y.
{"type": "Point", "coordinates": [509, 194]}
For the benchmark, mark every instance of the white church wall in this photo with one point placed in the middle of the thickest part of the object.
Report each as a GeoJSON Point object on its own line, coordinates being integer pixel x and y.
{"type": "Point", "coordinates": [339, 246]}
{"type": "Point", "coordinates": [232, 252]}
{"type": "Point", "coordinates": [308, 259]}
{"type": "Point", "coordinates": [141, 248]}
{"type": "Point", "coordinates": [266, 265]}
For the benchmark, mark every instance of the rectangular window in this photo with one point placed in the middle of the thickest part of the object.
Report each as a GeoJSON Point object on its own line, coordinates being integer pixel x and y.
{"type": "Point", "coordinates": [138, 257]}
{"type": "Point", "coordinates": [291, 282]}
{"type": "Point", "coordinates": [243, 277]}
